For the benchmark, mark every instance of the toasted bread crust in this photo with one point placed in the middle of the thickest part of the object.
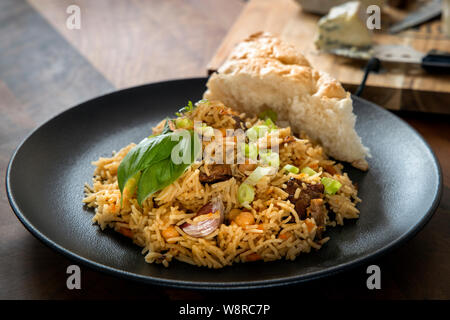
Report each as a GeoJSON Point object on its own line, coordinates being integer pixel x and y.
{"type": "Point", "coordinates": [261, 53]}
{"type": "Point", "coordinates": [265, 72]}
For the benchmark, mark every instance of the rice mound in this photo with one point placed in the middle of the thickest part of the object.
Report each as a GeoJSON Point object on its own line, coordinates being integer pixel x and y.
{"type": "Point", "coordinates": [277, 231]}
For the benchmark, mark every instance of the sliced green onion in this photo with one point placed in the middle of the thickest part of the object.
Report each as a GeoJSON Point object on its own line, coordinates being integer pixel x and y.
{"type": "Point", "coordinates": [251, 151]}
{"type": "Point", "coordinates": [189, 107]}
{"type": "Point", "coordinates": [270, 158]}
{"type": "Point", "coordinates": [207, 130]}
{"type": "Point", "coordinates": [246, 194]}
{"type": "Point", "coordinates": [272, 126]}
{"type": "Point", "coordinates": [256, 132]}
{"type": "Point", "coordinates": [184, 123]}
{"type": "Point", "coordinates": [203, 101]}
{"type": "Point", "coordinates": [308, 171]}
{"type": "Point", "coordinates": [252, 134]}
{"type": "Point", "coordinates": [268, 114]}
{"type": "Point", "coordinates": [331, 186]}
{"type": "Point", "coordinates": [291, 168]}
{"type": "Point", "coordinates": [258, 174]}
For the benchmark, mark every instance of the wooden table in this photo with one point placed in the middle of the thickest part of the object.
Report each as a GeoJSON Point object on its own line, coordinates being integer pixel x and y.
{"type": "Point", "coordinates": [46, 68]}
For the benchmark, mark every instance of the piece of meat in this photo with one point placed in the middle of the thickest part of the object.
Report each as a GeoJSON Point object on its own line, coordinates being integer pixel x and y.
{"type": "Point", "coordinates": [317, 211]}
{"type": "Point", "coordinates": [315, 191]}
{"type": "Point", "coordinates": [217, 172]}
{"type": "Point", "coordinates": [312, 191]}
{"type": "Point", "coordinates": [247, 167]}
{"type": "Point", "coordinates": [330, 169]}
{"type": "Point", "coordinates": [239, 123]}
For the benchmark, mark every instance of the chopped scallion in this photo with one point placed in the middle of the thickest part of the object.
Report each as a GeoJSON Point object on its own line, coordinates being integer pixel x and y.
{"type": "Point", "coordinates": [331, 186]}
{"type": "Point", "coordinates": [206, 130]}
{"type": "Point", "coordinates": [256, 132]}
{"type": "Point", "coordinates": [291, 168]}
{"type": "Point", "coordinates": [270, 158]}
{"type": "Point", "coordinates": [251, 151]}
{"type": "Point", "coordinates": [190, 106]}
{"type": "Point", "coordinates": [258, 174]}
{"type": "Point", "coordinates": [246, 194]}
{"type": "Point", "coordinates": [308, 171]}
{"type": "Point", "coordinates": [272, 126]}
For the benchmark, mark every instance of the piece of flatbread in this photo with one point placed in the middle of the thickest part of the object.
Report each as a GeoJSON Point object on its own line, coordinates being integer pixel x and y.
{"type": "Point", "coordinates": [265, 72]}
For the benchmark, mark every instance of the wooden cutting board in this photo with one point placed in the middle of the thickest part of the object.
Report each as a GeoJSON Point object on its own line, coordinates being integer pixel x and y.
{"type": "Point", "coordinates": [397, 87]}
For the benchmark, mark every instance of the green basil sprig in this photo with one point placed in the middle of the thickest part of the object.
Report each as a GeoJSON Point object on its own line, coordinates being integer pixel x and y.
{"type": "Point", "coordinates": [151, 158]}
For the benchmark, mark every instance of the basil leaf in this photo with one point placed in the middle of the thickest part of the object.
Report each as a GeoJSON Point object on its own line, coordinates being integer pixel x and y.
{"type": "Point", "coordinates": [157, 177]}
{"type": "Point", "coordinates": [162, 173]}
{"type": "Point", "coordinates": [149, 151]}
{"type": "Point", "coordinates": [130, 187]}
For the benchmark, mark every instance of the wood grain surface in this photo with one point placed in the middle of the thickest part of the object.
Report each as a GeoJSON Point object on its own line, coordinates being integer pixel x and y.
{"type": "Point", "coordinates": [396, 86]}
{"type": "Point", "coordinates": [46, 68]}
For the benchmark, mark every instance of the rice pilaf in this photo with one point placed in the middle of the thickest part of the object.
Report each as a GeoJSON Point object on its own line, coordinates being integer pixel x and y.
{"type": "Point", "coordinates": [288, 215]}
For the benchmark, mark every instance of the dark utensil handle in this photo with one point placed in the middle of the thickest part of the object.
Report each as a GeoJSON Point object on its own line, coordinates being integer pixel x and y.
{"type": "Point", "coordinates": [372, 65]}
{"type": "Point", "coordinates": [437, 62]}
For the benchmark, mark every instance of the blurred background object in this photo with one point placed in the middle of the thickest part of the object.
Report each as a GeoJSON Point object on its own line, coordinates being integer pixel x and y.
{"type": "Point", "coordinates": [323, 6]}
{"type": "Point", "coordinates": [446, 17]}
{"type": "Point", "coordinates": [344, 27]}
{"type": "Point", "coordinates": [397, 86]}
{"type": "Point", "coordinates": [426, 12]}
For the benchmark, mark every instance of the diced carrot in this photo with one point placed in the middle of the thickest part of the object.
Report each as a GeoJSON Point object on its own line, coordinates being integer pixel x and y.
{"type": "Point", "coordinates": [313, 165]}
{"type": "Point", "coordinates": [260, 226]}
{"type": "Point", "coordinates": [170, 232]}
{"type": "Point", "coordinates": [226, 111]}
{"type": "Point", "coordinates": [288, 139]}
{"type": "Point", "coordinates": [300, 176]}
{"type": "Point", "coordinates": [126, 232]}
{"type": "Point", "coordinates": [285, 236]}
{"type": "Point", "coordinates": [253, 257]}
{"type": "Point", "coordinates": [310, 224]}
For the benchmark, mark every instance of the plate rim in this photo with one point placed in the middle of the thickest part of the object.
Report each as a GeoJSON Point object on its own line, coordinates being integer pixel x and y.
{"type": "Point", "coordinates": [238, 285]}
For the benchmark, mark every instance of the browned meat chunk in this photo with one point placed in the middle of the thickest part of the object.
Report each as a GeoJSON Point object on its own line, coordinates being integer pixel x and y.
{"type": "Point", "coordinates": [330, 169]}
{"type": "Point", "coordinates": [217, 172]}
{"type": "Point", "coordinates": [312, 191]}
{"type": "Point", "coordinates": [247, 167]}
{"type": "Point", "coordinates": [239, 123]}
{"type": "Point", "coordinates": [317, 211]}
{"type": "Point", "coordinates": [315, 191]}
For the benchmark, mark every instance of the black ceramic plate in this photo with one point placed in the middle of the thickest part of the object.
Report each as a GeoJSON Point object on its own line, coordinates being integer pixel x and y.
{"type": "Point", "coordinates": [47, 172]}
